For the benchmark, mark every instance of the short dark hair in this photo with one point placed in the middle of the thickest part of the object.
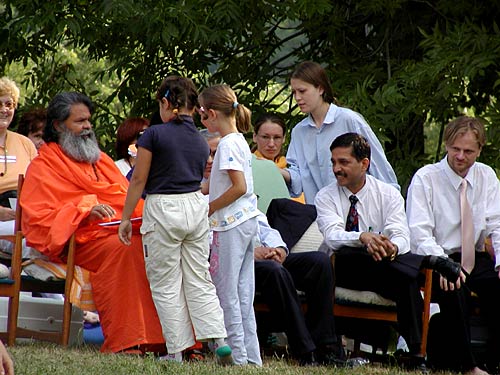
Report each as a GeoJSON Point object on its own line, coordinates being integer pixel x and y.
{"type": "Point", "coordinates": [32, 121]}
{"type": "Point", "coordinates": [59, 109]}
{"type": "Point", "coordinates": [359, 145]}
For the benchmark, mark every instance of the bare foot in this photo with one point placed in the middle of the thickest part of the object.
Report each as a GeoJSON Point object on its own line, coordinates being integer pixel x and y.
{"type": "Point", "coordinates": [476, 371]}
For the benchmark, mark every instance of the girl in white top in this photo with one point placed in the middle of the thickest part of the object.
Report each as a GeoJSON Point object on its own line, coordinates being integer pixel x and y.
{"type": "Point", "coordinates": [233, 219]}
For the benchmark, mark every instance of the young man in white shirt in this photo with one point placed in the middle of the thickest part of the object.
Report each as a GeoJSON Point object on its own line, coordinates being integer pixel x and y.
{"type": "Point", "coordinates": [370, 237]}
{"type": "Point", "coordinates": [434, 217]}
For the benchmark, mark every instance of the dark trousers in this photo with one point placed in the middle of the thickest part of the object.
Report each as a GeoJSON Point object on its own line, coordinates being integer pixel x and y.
{"type": "Point", "coordinates": [4, 198]}
{"type": "Point", "coordinates": [455, 308]}
{"type": "Point", "coordinates": [310, 272]}
{"type": "Point", "coordinates": [397, 280]}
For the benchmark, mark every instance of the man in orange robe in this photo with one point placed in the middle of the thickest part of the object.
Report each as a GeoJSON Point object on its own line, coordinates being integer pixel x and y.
{"type": "Point", "coordinates": [74, 187]}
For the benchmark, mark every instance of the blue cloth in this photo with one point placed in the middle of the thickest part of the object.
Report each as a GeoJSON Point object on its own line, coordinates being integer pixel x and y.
{"type": "Point", "coordinates": [309, 155]}
{"type": "Point", "coordinates": [92, 334]}
{"type": "Point", "coordinates": [180, 154]}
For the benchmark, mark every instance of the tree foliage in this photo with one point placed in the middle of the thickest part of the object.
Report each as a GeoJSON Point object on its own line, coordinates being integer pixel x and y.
{"type": "Point", "coordinates": [408, 66]}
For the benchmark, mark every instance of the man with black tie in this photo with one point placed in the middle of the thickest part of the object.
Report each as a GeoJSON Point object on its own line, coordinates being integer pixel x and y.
{"type": "Point", "coordinates": [453, 206]}
{"type": "Point", "coordinates": [363, 221]}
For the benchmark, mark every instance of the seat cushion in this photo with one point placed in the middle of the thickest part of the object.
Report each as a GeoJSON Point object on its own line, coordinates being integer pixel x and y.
{"type": "Point", "coordinates": [310, 240]}
{"type": "Point", "coordinates": [4, 271]}
{"type": "Point", "coordinates": [357, 297]}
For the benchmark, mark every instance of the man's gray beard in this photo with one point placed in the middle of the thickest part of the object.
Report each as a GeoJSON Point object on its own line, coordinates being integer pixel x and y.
{"type": "Point", "coordinates": [82, 147]}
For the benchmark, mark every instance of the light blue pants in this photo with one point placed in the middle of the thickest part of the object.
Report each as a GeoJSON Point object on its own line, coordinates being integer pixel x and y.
{"type": "Point", "coordinates": [232, 269]}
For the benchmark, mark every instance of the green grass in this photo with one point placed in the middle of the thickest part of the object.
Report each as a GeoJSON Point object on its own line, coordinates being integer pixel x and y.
{"type": "Point", "coordinates": [48, 359]}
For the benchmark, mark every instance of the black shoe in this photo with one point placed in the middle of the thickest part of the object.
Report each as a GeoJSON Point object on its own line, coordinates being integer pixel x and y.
{"type": "Point", "coordinates": [413, 362]}
{"type": "Point", "coordinates": [449, 269]}
{"type": "Point", "coordinates": [356, 362]}
{"type": "Point", "coordinates": [492, 368]}
{"type": "Point", "coordinates": [308, 359]}
{"type": "Point", "coordinates": [331, 355]}
{"type": "Point", "coordinates": [330, 359]}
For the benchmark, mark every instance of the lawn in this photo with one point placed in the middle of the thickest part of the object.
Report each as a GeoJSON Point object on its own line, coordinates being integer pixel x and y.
{"type": "Point", "coordinates": [48, 359]}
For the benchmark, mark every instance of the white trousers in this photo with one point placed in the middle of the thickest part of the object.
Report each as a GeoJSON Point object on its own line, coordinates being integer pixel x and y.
{"type": "Point", "coordinates": [176, 249]}
{"type": "Point", "coordinates": [7, 228]}
{"type": "Point", "coordinates": [232, 269]}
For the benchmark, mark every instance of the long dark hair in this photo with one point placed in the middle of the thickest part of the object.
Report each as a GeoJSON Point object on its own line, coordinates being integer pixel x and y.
{"type": "Point", "coordinates": [313, 73]}
{"type": "Point", "coordinates": [180, 92]}
{"type": "Point", "coordinates": [59, 109]}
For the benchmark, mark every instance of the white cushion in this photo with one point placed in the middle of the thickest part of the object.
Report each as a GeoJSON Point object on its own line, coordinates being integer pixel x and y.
{"type": "Point", "coordinates": [310, 240]}
{"type": "Point", "coordinates": [4, 271]}
{"type": "Point", "coordinates": [358, 296]}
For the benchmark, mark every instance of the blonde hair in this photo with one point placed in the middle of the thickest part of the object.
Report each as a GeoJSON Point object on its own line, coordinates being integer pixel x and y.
{"type": "Point", "coordinates": [223, 99]}
{"type": "Point", "coordinates": [9, 87]}
{"type": "Point", "coordinates": [462, 125]}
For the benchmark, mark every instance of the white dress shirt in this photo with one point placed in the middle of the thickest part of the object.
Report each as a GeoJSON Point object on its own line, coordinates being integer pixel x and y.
{"type": "Point", "coordinates": [309, 156]}
{"type": "Point", "coordinates": [268, 236]}
{"type": "Point", "coordinates": [124, 166]}
{"type": "Point", "coordinates": [433, 208]}
{"type": "Point", "coordinates": [380, 210]}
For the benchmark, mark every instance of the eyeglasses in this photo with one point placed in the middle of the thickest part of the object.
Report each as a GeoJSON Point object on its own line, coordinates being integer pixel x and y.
{"type": "Point", "coordinates": [9, 104]}
{"type": "Point", "coordinates": [268, 138]}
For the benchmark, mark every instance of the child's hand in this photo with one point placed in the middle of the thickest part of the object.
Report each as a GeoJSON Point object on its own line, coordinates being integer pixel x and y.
{"type": "Point", "coordinates": [125, 231]}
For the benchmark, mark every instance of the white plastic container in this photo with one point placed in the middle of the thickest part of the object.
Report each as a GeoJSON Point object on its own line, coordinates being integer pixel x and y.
{"type": "Point", "coordinates": [43, 314]}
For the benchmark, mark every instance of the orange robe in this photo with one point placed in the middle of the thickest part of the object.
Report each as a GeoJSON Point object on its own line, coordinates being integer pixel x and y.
{"type": "Point", "coordinates": [57, 195]}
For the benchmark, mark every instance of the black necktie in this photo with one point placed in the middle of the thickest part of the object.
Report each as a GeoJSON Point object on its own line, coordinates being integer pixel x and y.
{"type": "Point", "coordinates": [352, 224]}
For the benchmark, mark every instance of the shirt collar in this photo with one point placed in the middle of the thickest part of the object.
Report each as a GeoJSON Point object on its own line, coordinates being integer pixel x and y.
{"type": "Point", "coordinates": [360, 194]}
{"type": "Point", "coordinates": [454, 178]}
{"type": "Point", "coordinates": [329, 118]}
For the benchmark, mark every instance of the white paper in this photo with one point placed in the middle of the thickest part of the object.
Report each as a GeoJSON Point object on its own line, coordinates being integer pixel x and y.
{"type": "Point", "coordinates": [117, 222]}
{"type": "Point", "coordinates": [13, 203]}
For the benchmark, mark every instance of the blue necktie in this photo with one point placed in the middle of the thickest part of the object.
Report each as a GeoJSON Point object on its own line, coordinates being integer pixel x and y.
{"type": "Point", "coordinates": [352, 224]}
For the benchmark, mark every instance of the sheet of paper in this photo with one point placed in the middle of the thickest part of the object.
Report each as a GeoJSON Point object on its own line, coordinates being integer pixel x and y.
{"type": "Point", "coordinates": [117, 222]}
{"type": "Point", "coordinates": [13, 203]}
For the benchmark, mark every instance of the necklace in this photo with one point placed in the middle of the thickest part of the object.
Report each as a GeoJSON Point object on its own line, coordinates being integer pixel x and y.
{"type": "Point", "coordinates": [4, 147]}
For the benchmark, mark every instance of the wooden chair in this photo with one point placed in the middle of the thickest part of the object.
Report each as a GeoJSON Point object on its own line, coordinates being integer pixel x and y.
{"type": "Point", "coordinates": [367, 311]}
{"type": "Point", "coordinates": [13, 285]}
{"type": "Point", "coordinates": [371, 312]}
